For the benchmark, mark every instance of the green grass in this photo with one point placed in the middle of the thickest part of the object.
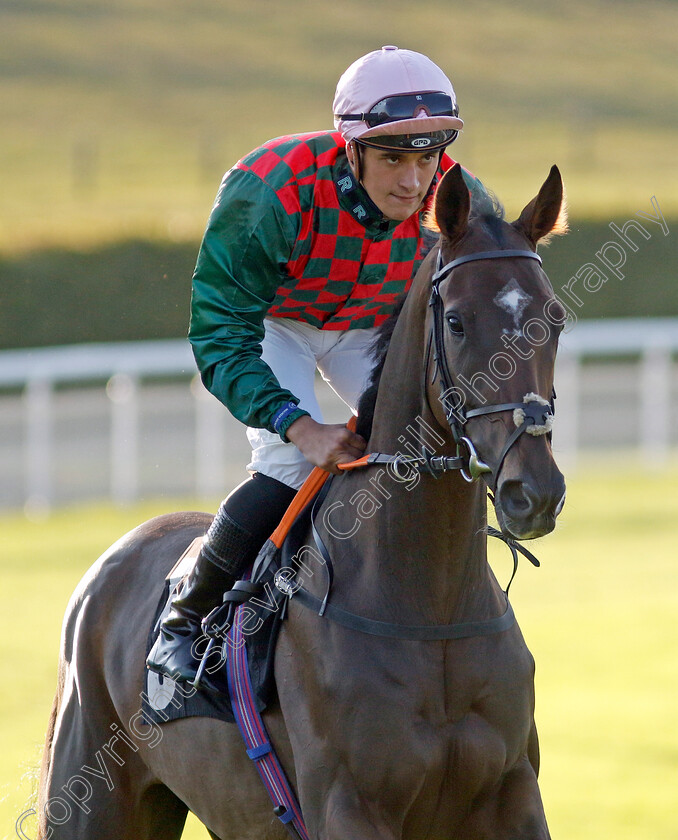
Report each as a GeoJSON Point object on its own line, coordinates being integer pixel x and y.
{"type": "Point", "coordinates": [119, 118]}
{"type": "Point", "coordinates": [599, 616]}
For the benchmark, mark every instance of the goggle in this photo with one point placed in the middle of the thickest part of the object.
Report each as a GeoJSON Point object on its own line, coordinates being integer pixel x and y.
{"type": "Point", "coordinates": [405, 106]}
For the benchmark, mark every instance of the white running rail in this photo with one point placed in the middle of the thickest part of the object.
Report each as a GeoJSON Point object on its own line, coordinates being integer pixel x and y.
{"type": "Point", "coordinates": [124, 369]}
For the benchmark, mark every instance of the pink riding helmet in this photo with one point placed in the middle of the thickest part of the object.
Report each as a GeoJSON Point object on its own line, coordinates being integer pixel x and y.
{"type": "Point", "coordinates": [398, 96]}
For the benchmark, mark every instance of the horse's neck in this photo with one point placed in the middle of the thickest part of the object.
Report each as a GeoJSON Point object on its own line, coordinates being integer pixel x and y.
{"type": "Point", "coordinates": [426, 536]}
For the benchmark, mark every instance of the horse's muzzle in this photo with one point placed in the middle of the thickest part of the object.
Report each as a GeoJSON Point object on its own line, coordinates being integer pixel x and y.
{"type": "Point", "coordinates": [524, 512]}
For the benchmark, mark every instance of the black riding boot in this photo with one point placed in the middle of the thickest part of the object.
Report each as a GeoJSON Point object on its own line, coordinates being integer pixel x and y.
{"type": "Point", "coordinates": [226, 552]}
{"type": "Point", "coordinates": [172, 654]}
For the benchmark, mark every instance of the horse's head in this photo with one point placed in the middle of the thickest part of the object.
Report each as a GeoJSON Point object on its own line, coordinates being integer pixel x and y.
{"type": "Point", "coordinates": [494, 322]}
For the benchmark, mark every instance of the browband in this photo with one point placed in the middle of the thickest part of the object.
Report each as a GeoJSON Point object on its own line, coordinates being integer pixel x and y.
{"type": "Point", "coordinates": [442, 270]}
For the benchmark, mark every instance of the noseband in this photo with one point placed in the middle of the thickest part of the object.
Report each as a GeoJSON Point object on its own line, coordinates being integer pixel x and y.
{"type": "Point", "coordinates": [533, 415]}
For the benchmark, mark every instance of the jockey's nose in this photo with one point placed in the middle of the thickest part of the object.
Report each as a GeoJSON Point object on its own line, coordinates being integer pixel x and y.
{"type": "Point", "coordinates": [410, 177]}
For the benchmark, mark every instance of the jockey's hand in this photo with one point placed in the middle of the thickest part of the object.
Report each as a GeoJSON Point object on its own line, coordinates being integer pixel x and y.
{"type": "Point", "coordinates": [325, 445]}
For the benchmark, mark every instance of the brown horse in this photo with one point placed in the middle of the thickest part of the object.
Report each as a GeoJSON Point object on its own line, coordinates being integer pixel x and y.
{"type": "Point", "coordinates": [382, 737]}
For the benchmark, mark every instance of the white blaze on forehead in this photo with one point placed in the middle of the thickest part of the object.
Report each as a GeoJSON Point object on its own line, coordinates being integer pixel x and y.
{"type": "Point", "coordinates": [513, 299]}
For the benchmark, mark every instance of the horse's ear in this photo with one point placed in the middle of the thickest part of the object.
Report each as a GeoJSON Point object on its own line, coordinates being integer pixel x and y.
{"type": "Point", "coordinates": [452, 205]}
{"type": "Point", "coordinates": [547, 213]}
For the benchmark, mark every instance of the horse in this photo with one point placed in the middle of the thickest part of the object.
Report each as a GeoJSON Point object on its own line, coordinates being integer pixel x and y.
{"type": "Point", "coordinates": [382, 737]}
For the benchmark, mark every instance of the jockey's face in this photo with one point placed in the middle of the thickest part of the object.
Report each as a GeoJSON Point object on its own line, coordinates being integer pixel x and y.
{"type": "Point", "coordinates": [397, 182]}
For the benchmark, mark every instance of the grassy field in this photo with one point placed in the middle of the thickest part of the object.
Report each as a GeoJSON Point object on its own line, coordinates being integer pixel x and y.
{"type": "Point", "coordinates": [599, 616]}
{"type": "Point", "coordinates": [120, 117]}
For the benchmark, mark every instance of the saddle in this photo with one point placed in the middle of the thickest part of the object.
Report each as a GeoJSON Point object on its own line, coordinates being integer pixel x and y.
{"type": "Point", "coordinates": [265, 591]}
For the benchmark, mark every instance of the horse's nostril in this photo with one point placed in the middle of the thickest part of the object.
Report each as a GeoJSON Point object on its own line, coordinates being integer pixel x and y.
{"type": "Point", "coordinates": [521, 503]}
{"type": "Point", "coordinates": [516, 499]}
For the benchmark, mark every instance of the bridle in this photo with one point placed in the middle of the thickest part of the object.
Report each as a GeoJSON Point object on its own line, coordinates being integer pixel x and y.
{"type": "Point", "coordinates": [533, 415]}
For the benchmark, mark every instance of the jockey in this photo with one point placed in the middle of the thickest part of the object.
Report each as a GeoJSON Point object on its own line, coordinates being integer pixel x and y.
{"type": "Point", "coordinates": [311, 240]}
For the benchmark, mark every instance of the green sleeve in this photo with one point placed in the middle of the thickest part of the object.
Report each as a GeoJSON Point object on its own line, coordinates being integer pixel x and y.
{"type": "Point", "coordinates": [247, 243]}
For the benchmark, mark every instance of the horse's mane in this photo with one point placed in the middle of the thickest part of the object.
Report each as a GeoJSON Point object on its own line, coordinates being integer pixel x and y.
{"type": "Point", "coordinates": [486, 210]}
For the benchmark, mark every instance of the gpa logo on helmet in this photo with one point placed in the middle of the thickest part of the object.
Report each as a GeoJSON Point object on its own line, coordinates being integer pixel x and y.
{"type": "Point", "coordinates": [420, 142]}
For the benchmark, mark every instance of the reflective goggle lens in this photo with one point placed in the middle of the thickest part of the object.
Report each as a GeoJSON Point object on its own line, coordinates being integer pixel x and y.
{"type": "Point", "coordinates": [406, 106]}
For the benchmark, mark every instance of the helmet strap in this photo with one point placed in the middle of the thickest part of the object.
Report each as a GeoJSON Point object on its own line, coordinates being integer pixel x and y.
{"type": "Point", "coordinates": [434, 183]}
{"type": "Point", "coordinates": [357, 160]}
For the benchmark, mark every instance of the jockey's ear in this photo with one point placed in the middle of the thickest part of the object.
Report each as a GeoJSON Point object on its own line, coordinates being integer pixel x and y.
{"type": "Point", "coordinates": [547, 213]}
{"type": "Point", "coordinates": [452, 205]}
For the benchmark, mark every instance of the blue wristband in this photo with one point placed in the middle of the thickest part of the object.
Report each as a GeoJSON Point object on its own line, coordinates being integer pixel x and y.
{"type": "Point", "coordinates": [282, 414]}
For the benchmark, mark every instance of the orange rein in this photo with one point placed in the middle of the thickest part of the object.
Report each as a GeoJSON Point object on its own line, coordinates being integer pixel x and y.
{"type": "Point", "coordinates": [308, 491]}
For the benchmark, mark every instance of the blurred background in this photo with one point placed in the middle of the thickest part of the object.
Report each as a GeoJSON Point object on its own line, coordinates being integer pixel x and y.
{"type": "Point", "coordinates": [118, 120]}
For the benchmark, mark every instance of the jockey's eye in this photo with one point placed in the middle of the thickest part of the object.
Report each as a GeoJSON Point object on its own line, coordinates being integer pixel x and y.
{"type": "Point", "coordinates": [455, 325]}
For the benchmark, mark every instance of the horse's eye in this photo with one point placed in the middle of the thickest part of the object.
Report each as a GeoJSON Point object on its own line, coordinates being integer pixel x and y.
{"type": "Point", "coordinates": [455, 325]}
